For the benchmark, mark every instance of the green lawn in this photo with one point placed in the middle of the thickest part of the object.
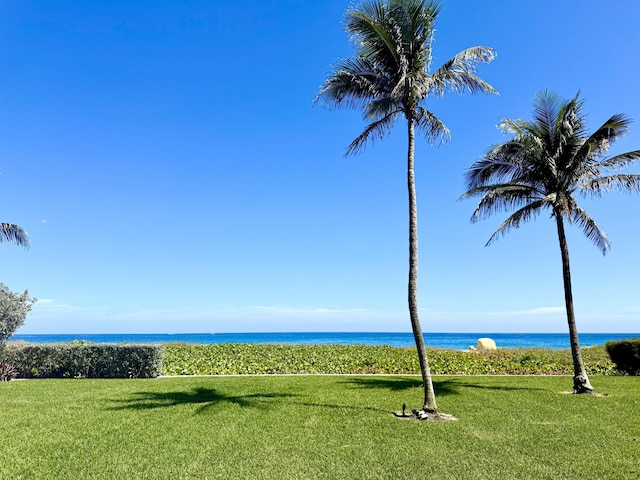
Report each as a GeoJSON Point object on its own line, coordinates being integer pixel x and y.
{"type": "Point", "coordinates": [317, 427]}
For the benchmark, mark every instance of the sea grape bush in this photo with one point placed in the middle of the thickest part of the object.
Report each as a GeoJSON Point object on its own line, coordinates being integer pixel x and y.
{"type": "Point", "coordinates": [241, 359]}
{"type": "Point", "coordinates": [7, 372]}
{"type": "Point", "coordinates": [85, 360]}
{"type": "Point", "coordinates": [626, 355]}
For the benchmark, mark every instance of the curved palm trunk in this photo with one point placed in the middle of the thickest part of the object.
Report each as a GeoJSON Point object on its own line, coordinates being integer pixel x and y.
{"type": "Point", "coordinates": [580, 380]}
{"type": "Point", "coordinates": [429, 395]}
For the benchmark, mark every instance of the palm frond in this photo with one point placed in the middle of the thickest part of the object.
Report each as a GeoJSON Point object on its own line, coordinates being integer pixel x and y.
{"type": "Point", "coordinates": [546, 110]}
{"type": "Point", "coordinates": [422, 19]}
{"type": "Point", "coordinates": [369, 28]}
{"type": "Point", "coordinates": [381, 107]}
{"type": "Point", "coordinates": [612, 183]}
{"type": "Point", "coordinates": [516, 127]}
{"type": "Point", "coordinates": [524, 214]}
{"type": "Point", "coordinates": [590, 228]}
{"type": "Point", "coordinates": [568, 138]}
{"type": "Point", "coordinates": [500, 197]}
{"type": "Point", "coordinates": [483, 170]}
{"type": "Point", "coordinates": [14, 234]}
{"type": "Point", "coordinates": [501, 164]}
{"type": "Point", "coordinates": [431, 125]}
{"type": "Point", "coordinates": [598, 143]}
{"type": "Point", "coordinates": [354, 82]}
{"type": "Point", "coordinates": [458, 73]}
{"type": "Point", "coordinates": [620, 161]}
{"type": "Point", "coordinates": [417, 20]}
{"type": "Point", "coordinates": [375, 130]}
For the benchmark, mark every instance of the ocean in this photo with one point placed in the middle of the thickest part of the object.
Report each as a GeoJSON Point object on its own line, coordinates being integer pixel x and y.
{"type": "Point", "coordinates": [450, 341]}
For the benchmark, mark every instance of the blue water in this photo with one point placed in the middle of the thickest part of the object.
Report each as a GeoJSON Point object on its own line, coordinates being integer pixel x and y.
{"type": "Point", "coordinates": [451, 341]}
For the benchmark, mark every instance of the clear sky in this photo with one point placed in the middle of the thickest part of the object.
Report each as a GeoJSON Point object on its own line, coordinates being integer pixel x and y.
{"type": "Point", "coordinates": [173, 175]}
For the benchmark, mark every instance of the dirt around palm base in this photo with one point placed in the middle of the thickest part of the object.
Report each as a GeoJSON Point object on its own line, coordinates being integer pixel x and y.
{"type": "Point", "coordinates": [422, 416]}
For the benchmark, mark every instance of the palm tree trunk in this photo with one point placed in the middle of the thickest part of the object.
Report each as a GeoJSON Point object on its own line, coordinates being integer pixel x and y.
{"type": "Point", "coordinates": [580, 380]}
{"type": "Point", "coordinates": [429, 394]}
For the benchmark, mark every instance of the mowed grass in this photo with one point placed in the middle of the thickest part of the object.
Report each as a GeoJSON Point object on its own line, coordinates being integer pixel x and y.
{"type": "Point", "coordinates": [307, 427]}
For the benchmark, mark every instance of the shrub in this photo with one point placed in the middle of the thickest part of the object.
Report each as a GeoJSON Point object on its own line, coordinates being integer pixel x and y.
{"type": "Point", "coordinates": [626, 355]}
{"type": "Point", "coordinates": [14, 308]}
{"type": "Point", "coordinates": [7, 372]}
{"type": "Point", "coordinates": [85, 360]}
{"type": "Point", "coordinates": [229, 358]}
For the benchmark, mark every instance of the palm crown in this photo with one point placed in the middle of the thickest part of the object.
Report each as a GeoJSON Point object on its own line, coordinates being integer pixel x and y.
{"type": "Point", "coordinates": [547, 161]}
{"type": "Point", "coordinates": [389, 75]}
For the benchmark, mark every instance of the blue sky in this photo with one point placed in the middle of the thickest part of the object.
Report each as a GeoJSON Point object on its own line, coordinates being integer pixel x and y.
{"type": "Point", "coordinates": [173, 175]}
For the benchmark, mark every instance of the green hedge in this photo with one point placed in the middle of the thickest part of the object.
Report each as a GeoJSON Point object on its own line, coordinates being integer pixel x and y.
{"type": "Point", "coordinates": [226, 359]}
{"type": "Point", "coordinates": [626, 355]}
{"type": "Point", "coordinates": [81, 359]}
{"type": "Point", "coordinates": [84, 360]}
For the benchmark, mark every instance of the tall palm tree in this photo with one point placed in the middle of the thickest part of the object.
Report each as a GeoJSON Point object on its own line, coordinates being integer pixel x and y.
{"type": "Point", "coordinates": [549, 160]}
{"type": "Point", "coordinates": [13, 234]}
{"type": "Point", "coordinates": [388, 77]}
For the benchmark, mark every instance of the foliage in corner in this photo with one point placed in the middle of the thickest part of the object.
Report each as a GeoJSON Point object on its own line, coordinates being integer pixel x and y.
{"type": "Point", "coordinates": [626, 355]}
{"type": "Point", "coordinates": [7, 372]}
{"type": "Point", "coordinates": [14, 308]}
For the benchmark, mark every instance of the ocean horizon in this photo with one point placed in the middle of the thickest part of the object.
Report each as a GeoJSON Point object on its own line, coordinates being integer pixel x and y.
{"type": "Point", "coordinates": [449, 341]}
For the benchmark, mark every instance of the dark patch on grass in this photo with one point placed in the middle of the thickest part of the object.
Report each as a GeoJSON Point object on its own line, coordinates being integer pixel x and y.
{"type": "Point", "coordinates": [205, 397]}
{"type": "Point", "coordinates": [210, 397]}
{"type": "Point", "coordinates": [386, 383]}
{"type": "Point", "coordinates": [502, 388]}
{"type": "Point", "coordinates": [442, 387]}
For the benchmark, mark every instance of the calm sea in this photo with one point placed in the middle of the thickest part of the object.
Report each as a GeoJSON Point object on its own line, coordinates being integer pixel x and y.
{"type": "Point", "coordinates": [452, 341]}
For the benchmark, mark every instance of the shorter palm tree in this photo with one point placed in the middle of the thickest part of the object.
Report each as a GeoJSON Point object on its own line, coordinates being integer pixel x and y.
{"type": "Point", "coordinates": [548, 161]}
{"type": "Point", "coordinates": [14, 234]}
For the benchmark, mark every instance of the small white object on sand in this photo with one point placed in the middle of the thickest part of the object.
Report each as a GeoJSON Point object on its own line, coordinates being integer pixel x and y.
{"type": "Point", "coordinates": [485, 344]}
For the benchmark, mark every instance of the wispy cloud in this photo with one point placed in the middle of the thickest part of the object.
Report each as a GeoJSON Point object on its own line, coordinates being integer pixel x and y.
{"type": "Point", "coordinates": [537, 311]}
{"type": "Point", "coordinates": [52, 316]}
{"type": "Point", "coordinates": [50, 304]}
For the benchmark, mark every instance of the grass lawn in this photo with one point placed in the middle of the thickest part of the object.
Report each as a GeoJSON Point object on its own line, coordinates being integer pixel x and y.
{"type": "Point", "coordinates": [317, 427]}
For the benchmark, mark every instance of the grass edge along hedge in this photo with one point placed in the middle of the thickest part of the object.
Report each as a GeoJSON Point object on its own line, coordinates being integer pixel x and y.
{"type": "Point", "coordinates": [84, 360]}
{"type": "Point", "coordinates": [625, 354]}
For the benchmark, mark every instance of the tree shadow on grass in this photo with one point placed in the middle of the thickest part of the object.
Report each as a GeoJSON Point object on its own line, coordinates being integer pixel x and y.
{"type": "Point", "coordinates": [441, 386]}
{"type": "Point", "coordinates": [208, 398]}
{"type": "Point", "coordinates": [204, 397]}
{"type": "Point", "coordinates": [505, 388]}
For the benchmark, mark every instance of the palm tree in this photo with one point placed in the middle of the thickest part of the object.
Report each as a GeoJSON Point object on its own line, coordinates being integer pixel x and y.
{"type": "Point", "coordinates": [13, 234]}
{"type": "Point", "coordinates": [548, 161]}
{"type": "Point", "coordinates": [389, 77]}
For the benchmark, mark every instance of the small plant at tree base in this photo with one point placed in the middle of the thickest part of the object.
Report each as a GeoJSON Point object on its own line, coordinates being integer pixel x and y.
{"type": "Point", "coordinates": [14, 308]}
